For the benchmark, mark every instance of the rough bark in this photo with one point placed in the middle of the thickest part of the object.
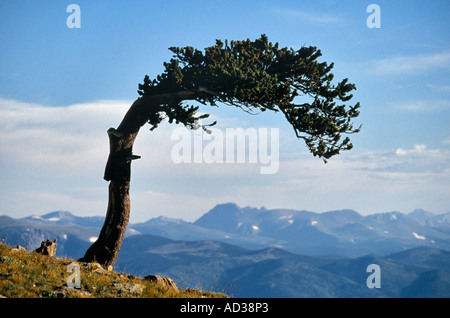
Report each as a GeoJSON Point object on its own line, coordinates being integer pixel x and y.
{"type": "Point", "coordinates": [118, 171]}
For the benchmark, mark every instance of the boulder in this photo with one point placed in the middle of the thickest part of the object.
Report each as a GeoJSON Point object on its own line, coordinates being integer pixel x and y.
{"type": "Point", "coordinates": [47, 248]}
{"type": "Point", "coordinates": [64, 291]}
{"type": "Point", "coordinates": [18, 249]}
{"type": "Point", "coordinates": [133, 289]}
{"type": "Point", "coordinates": [163, 281]}
{"type": "Point", "coordinates": [97, 268]}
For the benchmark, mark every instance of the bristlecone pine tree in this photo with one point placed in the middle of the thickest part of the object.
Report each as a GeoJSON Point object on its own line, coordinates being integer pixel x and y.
{"type": "Point", "coordinates": [255, 76]}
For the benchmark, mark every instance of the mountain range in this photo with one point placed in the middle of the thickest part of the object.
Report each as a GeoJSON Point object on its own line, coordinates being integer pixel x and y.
{"type": "Point", "coordinates": [256, 252]}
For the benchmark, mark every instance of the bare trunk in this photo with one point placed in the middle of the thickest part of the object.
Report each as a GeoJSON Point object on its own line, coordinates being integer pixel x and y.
{"type": "Point", "coordinates": [118, 171]}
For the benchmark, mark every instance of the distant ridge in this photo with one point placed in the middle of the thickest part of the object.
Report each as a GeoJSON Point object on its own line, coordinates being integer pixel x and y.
{"type": "Point", "coordinates": [259, 252]}
{"type": "Point", "coordinates": [340, 232]}
{"type": "Point", "coordinates": [65, 217]}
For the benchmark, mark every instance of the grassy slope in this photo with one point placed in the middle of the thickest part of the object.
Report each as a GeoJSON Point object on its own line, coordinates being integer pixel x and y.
{"type": "Point", "coordinates": [32, 275]}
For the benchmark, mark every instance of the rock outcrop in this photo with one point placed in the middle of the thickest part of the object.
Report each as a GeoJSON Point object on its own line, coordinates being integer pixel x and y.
{"type": "Point", "coordinates": [163, 281]}
{"type": "Point", "coordinates": [47, 248]}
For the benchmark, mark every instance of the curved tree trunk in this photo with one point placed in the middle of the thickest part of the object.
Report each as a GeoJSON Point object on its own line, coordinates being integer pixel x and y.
{"type": "Point", "coordinates": [118, 171]}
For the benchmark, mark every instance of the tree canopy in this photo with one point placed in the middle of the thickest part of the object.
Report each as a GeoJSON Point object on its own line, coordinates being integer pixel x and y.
{"type": "Point", "coordinates": [257, 76]}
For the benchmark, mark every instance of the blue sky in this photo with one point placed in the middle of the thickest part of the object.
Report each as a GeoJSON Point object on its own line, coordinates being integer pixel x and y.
{"type": "Point", "coordinates": [62, 88]}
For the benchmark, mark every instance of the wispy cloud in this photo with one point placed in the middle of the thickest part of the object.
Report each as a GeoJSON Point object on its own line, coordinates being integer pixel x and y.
{"type": "Point", "coordinates": [422, 106]}
{"type": "Point", "coordinates": [419, 159]}
{"type": "Point", "coordinates": [401, 179]}
{"type": "Point", "coordinates": [410, 64]}
{"type": "Point", "coordinates": [38, 135]}
{"type": "Point", "coordinates": [446, 141]}
{"type": "Point", "coordinates": [439, 87]}
{"type": "Point", "coordinates": [48, 155]}
{"type": "Point", "coordinates": [311, 17]}
{"type": "Point", "coordinates": [50, 158]}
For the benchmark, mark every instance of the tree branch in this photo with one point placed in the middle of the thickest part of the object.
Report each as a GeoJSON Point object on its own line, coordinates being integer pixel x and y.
{"type": "Point", "coordinates": [137, 115]}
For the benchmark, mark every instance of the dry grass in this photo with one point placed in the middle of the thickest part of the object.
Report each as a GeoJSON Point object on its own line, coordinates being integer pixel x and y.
{"type": "Point", "coordinates": [26, 274]}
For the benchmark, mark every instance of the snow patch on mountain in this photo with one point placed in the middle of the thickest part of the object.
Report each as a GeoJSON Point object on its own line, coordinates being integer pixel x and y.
{"type": "Point", "coordinates": [419, 237]}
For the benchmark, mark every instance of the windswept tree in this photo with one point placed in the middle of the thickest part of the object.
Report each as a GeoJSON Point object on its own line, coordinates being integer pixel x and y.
{"type": "Point", "coordinates": [255, 76]}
